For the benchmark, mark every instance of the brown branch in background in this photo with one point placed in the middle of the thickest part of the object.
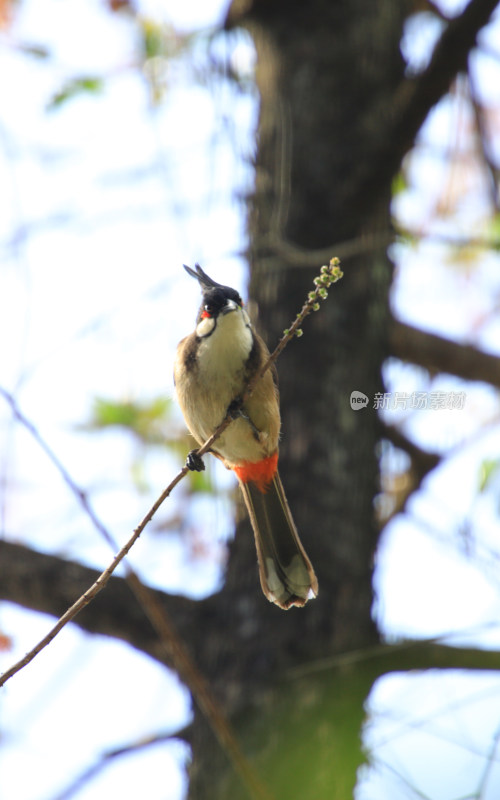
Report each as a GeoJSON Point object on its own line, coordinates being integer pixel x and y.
{"type": "Point", "coordinates": [290, 255]}
{"type": "Point", "coordinates": [103, 578]}
{"type": "Point", "coordinates": [422, 462]}
{"type": "Point", "coordinates": [111, 755]}
{"type": "Point", "coordinates": [50, 584]}
{"type": "Point", "coordinates": [438, 354]}
{"type": "Point", "coordinates": [408, 655]}
{"type": "Point", "coordinates": [169, 639]}
{"type": "Point", "coordinates": [449, 58]}
{"type": "Point", "coordinates": [435, 354]}
{"type": "Point", "coordinates": [484, 141]}
{"type": "Point", "coordinates": [413, 102]}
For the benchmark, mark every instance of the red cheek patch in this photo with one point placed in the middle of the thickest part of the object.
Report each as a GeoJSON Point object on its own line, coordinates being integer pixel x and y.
{"type": "Point", "coordinates": [259, 472]}
{"type": "Point", "coordinates": [205, 315]}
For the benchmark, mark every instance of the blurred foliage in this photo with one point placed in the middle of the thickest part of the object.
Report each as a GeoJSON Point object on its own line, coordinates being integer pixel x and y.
{"type": "Point", "coordinates": [494, 231]}
{"type": "Point", "coordinates": [151, 423]}
{"type": "Point", "coordinates": [146, 420]}
{"type": "Point", "coordinates": [75, 87]}
{"type": "Point", "coordinates": [160, 44]}
{"type": "Point", "coordinates": [489, 472]}
{"type": "Point", "coordinates": [399, 183]}
{"type": "Point", "coordinates": [154, 38]}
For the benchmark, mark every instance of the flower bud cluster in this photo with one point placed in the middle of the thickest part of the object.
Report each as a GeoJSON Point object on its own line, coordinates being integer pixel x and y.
{"type": "Point", "coordinates": [328, 275]}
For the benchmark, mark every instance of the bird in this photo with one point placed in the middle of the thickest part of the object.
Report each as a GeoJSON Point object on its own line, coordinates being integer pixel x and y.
{"type": "Point", "coordinates": [212, 368]}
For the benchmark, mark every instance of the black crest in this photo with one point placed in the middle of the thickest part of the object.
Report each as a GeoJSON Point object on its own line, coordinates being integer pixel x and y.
{"type": "Point", "coordinates": [210, 288]}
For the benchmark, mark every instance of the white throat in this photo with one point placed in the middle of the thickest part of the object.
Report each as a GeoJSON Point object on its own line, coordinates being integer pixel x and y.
{"type": "Point", "coordinates": [226, 350]}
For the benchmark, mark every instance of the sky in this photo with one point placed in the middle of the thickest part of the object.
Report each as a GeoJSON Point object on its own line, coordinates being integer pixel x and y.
{"type": "Point", "coordinates": [102, 200]}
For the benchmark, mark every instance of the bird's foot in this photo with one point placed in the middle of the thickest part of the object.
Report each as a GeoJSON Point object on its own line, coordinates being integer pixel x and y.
{"type": "Point", "coordinates": [194, 462]}
{"type": "Point", "coordinates": [234, 409]}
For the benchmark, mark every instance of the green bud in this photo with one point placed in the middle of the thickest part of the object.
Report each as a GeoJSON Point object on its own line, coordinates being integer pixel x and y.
{"type": "Point", "coordinates": [316, 307]}
{"type": "Point", "coordinates": [323, 294]}
{"type": "Point", "coordinates": [299, 332]}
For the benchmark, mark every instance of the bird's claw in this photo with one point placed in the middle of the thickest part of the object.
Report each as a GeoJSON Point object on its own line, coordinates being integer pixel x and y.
{"type": "Point", "coordinates": [194, 462]}
{"type": "Point", "coordinates": [234, 409]}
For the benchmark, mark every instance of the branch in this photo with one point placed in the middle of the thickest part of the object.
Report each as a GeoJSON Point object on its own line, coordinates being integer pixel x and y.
{"type": "Point", "coordinates": [437, 355]}
{"type": "Point", "coordinates": [405, 656]}
{"type": "Point", "coordinates": [156, 614]}
{"type": "Point", "coordinates": [49, 584]}
{"type": "Point", "coordinates": [422, 462]}
{"type": "Point", "coordinates": [485, 143]}
{"type": "Point", "coordinates": [169, 640]}
{"type": "Point", "coordinates": [414, 101]}
{"type": "Point", "coordinates": [292, 255]}
{"type": "Point", "coordinates": [450, 57]}
{"type": "Point", "coordinates": [442, 355]}
{"type": "Point", "coordinates": [91, 772]}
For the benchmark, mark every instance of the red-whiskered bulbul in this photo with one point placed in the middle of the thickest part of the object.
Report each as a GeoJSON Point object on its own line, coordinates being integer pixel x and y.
{"type": "Point", "coordinates": [212, 368]}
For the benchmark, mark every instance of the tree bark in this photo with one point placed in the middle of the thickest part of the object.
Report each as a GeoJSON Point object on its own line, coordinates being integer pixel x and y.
{"type": "Point", "coordinates": [326, 73]}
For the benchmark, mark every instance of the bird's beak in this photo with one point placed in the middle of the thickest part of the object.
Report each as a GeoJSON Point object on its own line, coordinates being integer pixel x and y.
{"type": "Point", "coordinates": [230, 306]}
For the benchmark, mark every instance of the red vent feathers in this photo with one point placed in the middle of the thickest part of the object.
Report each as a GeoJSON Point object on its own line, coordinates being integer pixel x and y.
{"type": "Point", "coordinates": [259, 472]}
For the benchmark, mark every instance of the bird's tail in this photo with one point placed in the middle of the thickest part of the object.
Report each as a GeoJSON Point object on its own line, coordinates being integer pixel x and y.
{"type": "Point", "coordinates": [286, 574]}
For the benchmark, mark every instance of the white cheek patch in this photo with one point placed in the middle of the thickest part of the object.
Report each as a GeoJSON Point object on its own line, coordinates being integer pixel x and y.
{"type": "Point", "coordinates": [205, 327]}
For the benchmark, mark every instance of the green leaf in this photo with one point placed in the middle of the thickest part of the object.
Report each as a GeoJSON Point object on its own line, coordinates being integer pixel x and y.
{"type": "Point", "coordinates": [73, 88]}
{"type": "Point", "coordinates": [200, 482]}
{"type": "Point", "coordinates": [399, 184]}
{"type": "Point", "coordinates": [153, 39]}
{"type": "Point", "coordinates": [148, 420]}
{"type": "Point", "coordinates": [487, 472]}
{"type": "Point", "coordinates": [494, 231]}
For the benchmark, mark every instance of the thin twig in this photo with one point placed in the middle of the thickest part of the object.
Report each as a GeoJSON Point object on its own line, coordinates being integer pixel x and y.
{"type": "Point", "coordinates": [96, 587]}
{"type": "Point", "coordinates": [170, 640]}
{"type": "Point", "coordinates": [90, 772]}
{"type": "Point", "coordinates": [484, 141]}
{"type": "Point", "coordinates": [490, 763]}
{"type": "Point", "coordinates": [327, 277]}
{"type": "Point", "coordinates": [330, 275]}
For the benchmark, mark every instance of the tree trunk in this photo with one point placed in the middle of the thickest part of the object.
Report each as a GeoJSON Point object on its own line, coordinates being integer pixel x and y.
{"type": "Point", "coordinates": [326, 73]}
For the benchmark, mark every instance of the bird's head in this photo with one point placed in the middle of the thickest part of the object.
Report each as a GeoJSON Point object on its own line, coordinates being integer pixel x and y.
{"type": "Point", "coordinates": [218, 300]}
